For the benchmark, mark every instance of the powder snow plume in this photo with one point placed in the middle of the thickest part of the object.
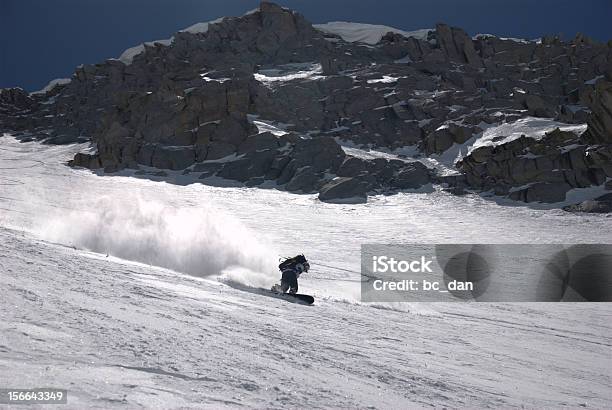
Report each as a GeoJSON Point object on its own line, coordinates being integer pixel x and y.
{"type": "Point", "coordinates": [200, 241]}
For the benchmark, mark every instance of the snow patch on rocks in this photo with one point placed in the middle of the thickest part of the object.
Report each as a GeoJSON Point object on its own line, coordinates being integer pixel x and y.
{"type": "Point", "coordinates": [52, 84]}
{"type": "Point", "coordinates": [482, 36]}
{"type": "Point", "coordinates": [275, 128]}
{"type": "Point", "coordinates": [202, 27]}
{"type": "Point", "coordinates": [531, 127]}
{"type": "Point", "coordinates": [199, 28]}
{"type": "Point", "coordinates": [366, 33]}
{"type": "Point", "coordinates": [288, 72]}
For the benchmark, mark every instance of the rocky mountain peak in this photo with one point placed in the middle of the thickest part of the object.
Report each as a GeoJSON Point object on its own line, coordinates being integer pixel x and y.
{"type": "Point", "coordinates": [268, 97]}
{"type": "Point", "coordinates": [266, 35]}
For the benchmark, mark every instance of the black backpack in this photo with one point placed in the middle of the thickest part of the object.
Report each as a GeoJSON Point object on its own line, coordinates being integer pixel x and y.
{"type": "Point", "coordinates": [289, 263]}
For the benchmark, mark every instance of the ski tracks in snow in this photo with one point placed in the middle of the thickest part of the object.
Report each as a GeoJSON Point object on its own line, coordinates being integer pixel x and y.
{"type": "Point", "coordinates": [125, 334]}
{"type": "Point", "coordinates": [116, 333]}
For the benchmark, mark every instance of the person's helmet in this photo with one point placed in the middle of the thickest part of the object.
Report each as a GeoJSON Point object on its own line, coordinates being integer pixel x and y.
{"type": "Point", "coordinates": [302, 267]}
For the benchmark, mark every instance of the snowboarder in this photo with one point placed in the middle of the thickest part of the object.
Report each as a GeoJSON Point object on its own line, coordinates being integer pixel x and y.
{"type": "Point", "coordinates": [291, 269]}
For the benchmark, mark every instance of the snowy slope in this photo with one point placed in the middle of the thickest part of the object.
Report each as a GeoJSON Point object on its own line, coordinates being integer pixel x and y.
{"type": "Point", "coordinates": [366, 33]}
{"type": "Point", "coordinates": [122, 334]}
{"type": "Point", "coordinates": [158, 323]}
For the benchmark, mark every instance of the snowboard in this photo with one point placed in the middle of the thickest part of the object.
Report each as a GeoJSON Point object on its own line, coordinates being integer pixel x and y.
{"type": "Point", "coordinates": [306, 299]}
{"type": "Point", "coordinates": [294, 297]}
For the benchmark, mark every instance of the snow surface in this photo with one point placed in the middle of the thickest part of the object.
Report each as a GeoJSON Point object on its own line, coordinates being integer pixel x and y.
{"type": "Point", "coordinates": [127, 57]}
{"type": "Point", "coordinates": [402, 154]}
{"type": "Point", "coordinates": [366, 33]}
{"type": "Point", "coordinates": [276, 128]}
{"type": "Point", "coordinates": [516, 40]}
{"type": "Point", "coordinates": [385, 79]}
{"type": "Point", "coordinates": [134, 292]}
{"type": "Point", "coordinates": [289, 72]}
{"type": "Point", "coordinates": [200, 28]}
{"type": "Point", "coordinates": [594, 80]}
{"type": "Point", "coordinates": [531, 127]}
{"type": "Point", "coordinates": [206, 78]}
{"type": "Point", "coordinates": [51, 85]}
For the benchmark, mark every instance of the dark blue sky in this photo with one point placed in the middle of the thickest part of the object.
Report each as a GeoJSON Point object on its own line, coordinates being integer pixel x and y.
{"type": "Point", "coordinates": [45, 39]}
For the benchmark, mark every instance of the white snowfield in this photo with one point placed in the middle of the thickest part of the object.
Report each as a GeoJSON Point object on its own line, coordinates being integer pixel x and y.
{"type": "Point", "coordinates": [134, 293]}
{"type": "Point", "coordinates": [366, 33]}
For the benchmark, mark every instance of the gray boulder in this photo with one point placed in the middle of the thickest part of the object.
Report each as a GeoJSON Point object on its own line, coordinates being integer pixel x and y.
{"type": "Point", "coordinates": [233, 129]}
{"type": "Point", "coordinates": [411, 176]}
{"type": "Point", "coordinates": [438, 141]}
{"type": "Point", "coordinates": [310, 163]}
{"type": "Point", "coordinates": [352, 167]}
{"type": "Point", "coordinates": [602, 204]}
{"type": "Point", "coordinates": [277, 166]}
{"type": "Point", "coordinates": [443, 138]}
{"type": "Point", "coordinates": [457, 45]}
{"type": "Point", "coordinates": [542, 192]}
{"type": "Point", "coordinates": [85, 161]}
{"type": "Point", "coordinates": [261, 142]}
{"type": "Point", "coordinates": [174, 158]}
{"type": "Point", "coordinates": [323, 154]}
{"type": "Point", "coordinates": [343, 190]}
{"type": "Point", "coordinates": [256, 164]}
{"type": "Point", "coordinates": [304, 180]}
{"type": "Point", "coordinates": [537, 106]}
{"type": "Point", "coordinates": [206, 169]}
{"type": "Point", "coordinates": [217, 150]}
{"type": "Point", "coordinates": [238, 170]}
{"type": "Point", "coordinates": [600, 156]}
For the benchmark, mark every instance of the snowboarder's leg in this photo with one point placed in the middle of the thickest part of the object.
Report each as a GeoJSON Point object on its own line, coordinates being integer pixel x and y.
{"type": "Point", "coordinates": [289, 282]}
{"type": "Point", "coordinates": [293, 284]}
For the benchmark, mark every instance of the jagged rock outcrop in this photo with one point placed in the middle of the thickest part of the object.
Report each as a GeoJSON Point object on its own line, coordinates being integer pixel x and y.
{"type": "Point", "coordinates": [457, 45]}
{"type": "Point", "coordinates": [196, 104]}
{"type": "Point", "coordinates": [600, 121]}
{"type": "Point", "coordinates": [13, 99]}
{"type": "Point", "coordinates": [445, 136]}
{"type": "Point", "coordinates": [536, 170]}
{"type": "Point", "coordinates": [599, 205]}
{"type": "Point", "coordinates": [344, 190]}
